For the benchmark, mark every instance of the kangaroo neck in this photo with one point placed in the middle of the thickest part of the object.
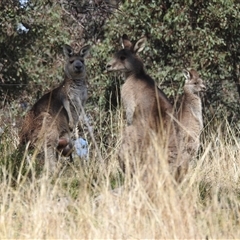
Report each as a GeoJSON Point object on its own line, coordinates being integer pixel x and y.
{"type": "Point", "coordinates": [135, 74]}
{"type": "Point", "coordinates": [191, 99]}
{"type": "Point", "coordinates": [190, 95]}
{"type": "Point", "coordinates": [77, 81]}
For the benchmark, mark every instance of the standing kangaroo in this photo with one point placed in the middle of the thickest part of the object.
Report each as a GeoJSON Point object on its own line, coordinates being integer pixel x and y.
{"type": "Point", "coordinates": [143, 101]}
{"type": "Point", "coordinates": [147, 107]}
{"type": "Point", "coordinates": [190, 113]}
{"type": "Point", "coordinates": [48, 125]}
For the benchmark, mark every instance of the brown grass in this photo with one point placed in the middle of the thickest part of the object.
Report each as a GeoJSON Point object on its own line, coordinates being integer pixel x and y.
{"type": "Point", "coordinates": [93, 200]}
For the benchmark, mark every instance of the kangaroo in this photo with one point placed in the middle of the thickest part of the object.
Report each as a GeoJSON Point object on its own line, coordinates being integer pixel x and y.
{"type": "Point", "coordinates": [147, 107]}
{"type": "Point", "coordinates": [52, 118]}
{"type": "Point", "coordinates": [190, 113]}
{"type": "Point", "coordinates": [141, 97]}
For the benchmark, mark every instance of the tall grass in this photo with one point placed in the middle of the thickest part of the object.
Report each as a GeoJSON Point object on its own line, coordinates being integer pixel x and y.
{"type": "Point", "coordinates": [94, 200]}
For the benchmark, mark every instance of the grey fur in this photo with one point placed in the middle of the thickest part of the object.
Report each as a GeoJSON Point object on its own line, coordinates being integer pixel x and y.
{"type": "Point", "coordinates": [49, 124]}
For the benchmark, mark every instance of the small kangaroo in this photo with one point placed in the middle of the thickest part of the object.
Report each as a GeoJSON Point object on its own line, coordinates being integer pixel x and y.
{"type": "Point", "coordinates": [147, 107]}
{"type": "Point", "coordinates": [190, 113]}
{"type": "Point", "coordinates": [53, 117]}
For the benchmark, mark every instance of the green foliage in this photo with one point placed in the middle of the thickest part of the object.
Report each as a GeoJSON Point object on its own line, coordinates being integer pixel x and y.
{"type": "Point", "coordinates": [197, 34]}
{"type": "Point", "coordinates": [29, 60]}
{"type": "Point", "coordinates": [91, 15]}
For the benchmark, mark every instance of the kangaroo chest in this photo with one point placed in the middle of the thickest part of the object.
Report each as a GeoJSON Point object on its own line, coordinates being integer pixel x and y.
{"type": "Point", "coordinates": [138, 100]}
{"type": "Point", "coordinates": [192, 112]}
{"type": "Point", "coordinates": [77, 96]}
{"type": "Point", "coordinates": [196, 111]}
{"type": "Point", "coordinates": [128, 95]}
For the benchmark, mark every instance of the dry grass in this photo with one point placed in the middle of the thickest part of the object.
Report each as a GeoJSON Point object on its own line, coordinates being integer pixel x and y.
{"type": "Point", "coordinates": [80, 202]}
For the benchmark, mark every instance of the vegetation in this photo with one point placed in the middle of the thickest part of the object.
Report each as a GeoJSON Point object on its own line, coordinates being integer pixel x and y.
{"type": "Point", "coordinates": [80, 203]}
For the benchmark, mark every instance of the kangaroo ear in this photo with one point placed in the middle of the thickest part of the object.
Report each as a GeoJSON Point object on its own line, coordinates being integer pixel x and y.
{"type": "Point", "coordinates": [67, 50]}
{"type": "Point", "coordinates": [84, 51]}
{"type": "Point", "coordinates": [126, 43]}
{"type": "Point", "coordinates": [140, 45]}
{"type": "Point", "coordinates": [186, 74]}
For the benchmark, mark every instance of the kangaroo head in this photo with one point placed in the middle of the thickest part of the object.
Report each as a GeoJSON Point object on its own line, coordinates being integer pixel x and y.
{"type": "Point", "coordinates": [126, 60]}
{"type": "Point", "coordinates": [74, 65]}
{"type": "Point", "coordinates": [193, 82]}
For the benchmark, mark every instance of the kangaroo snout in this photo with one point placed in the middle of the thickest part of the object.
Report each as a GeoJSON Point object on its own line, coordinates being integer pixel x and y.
{"type": "Point", "coordinates": [78, 66]}
{"type": "Point", "coordinates": [203, 88]}
{"type": "Point", "coordinates": [111, 65]}
{"type": "Point", "coordinates": [108, 67]}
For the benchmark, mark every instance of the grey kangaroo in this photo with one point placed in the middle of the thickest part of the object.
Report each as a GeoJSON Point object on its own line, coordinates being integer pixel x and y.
{"type": "Point", "coordinates": [190, 113]}
{"type": "Point", "coordinates": [147, 107]}
{"type": "Point", "coordinates": [49, 124]}
{"type": "Point", "coordinates": [190, 121]}
{"type": "Point", "coordinates": [142, 99]}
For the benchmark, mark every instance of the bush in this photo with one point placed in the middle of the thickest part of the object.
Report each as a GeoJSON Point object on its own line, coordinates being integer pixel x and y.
{"type": "Point", "coordinates": [197, 34]}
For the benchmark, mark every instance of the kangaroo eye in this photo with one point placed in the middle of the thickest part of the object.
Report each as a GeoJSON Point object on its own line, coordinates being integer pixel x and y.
{"type": "Point", "coordinates": [122, 58]}
{"type": "Point", "coordinates": [71, 61]}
